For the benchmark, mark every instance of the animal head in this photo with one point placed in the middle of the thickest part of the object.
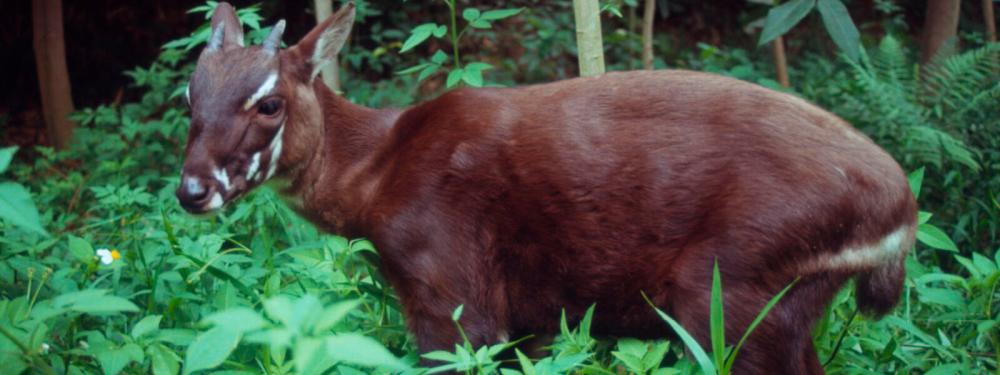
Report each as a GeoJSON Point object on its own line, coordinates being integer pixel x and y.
{"type": "Point", "coordinates": [254, 111]}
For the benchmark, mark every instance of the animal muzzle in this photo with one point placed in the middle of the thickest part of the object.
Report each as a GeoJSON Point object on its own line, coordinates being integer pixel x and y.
{"type": "Point", "coordinates": [198, 195]}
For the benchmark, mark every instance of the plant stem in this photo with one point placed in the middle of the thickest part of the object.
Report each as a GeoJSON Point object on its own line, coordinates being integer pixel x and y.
{"type": "Point", "coordinates": [454, 32]}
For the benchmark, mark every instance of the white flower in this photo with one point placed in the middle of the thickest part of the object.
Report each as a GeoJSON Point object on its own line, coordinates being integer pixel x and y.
{"type": "Point", "coordinates": [108, 256]}
{"type": "Point", "coordinates": [45, 348]}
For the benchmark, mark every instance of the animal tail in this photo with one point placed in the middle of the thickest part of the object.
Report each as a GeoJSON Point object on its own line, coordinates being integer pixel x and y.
{"type": "Point", "coordinates": [877, 290]}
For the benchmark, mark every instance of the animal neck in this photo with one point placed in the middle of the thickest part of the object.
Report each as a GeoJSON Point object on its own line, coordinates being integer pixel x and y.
{"type": "Point", "coordinates": [332, 180]}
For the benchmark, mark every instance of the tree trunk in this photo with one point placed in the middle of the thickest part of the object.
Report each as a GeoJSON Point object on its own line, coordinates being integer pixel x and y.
{"type": "Point", "coordinates": [53, 77]}
{"type": "Point", "coordinates": [940, 27]}
{"type": "Point", "coordinates": [990, 21]}
{"type": "Point", "coordinates": [648, 13]}
{"type": "Point", "coordinates": [329, 73]}
{"type": "Point", "coordinates": [588, 37]}
{"type": "Point", "coordinates": [780, 62]}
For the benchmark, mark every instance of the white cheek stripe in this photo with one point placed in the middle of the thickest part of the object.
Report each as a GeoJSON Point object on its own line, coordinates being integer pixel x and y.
{"type": "Point", "coordinates": [887, 250]}
{"type": "Point", "coordinates": [222, 177]}
{"type": "Point", "coordinates": [275, 153]}
{"type": "Point", "coordinates": [215, 203]}
{"type": "Point", "coordinates": [254, 164]}
{"type": "Point", "coordinates": [264, 89]}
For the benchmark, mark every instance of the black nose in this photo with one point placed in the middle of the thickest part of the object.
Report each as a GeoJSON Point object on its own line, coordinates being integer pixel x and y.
{"type": "Point", "coordinates": [194, 194]}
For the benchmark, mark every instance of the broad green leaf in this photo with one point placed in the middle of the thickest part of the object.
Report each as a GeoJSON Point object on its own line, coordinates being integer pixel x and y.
{"type": "Point", "coordinates": [17, 208]}
{"type": "Point", "coordinates": [923, 217]}
{"type": "Point", "coordinates": [81, 249]}
{"type": "Point", "coordinates": [840, 26]}
{"type": "Point", "coordinates": [453, 77]}
{"type": "Point", "coordinates": [470, 14]}
{"type": "Point", "coordinates": [473, 77]}
{"type": "Point", "coordinates": [440, 31]}
{"type": "Point", "coordinates": [782, 18]}
{"type": "Point", "coordinates": [934, 237]}
{"type": "Point", "coordinates": [480, 24]}
{"type": "Point", "coordinates": [210, 349]}
{"type": "Point", "coordinates": [104, 305]}
{"type": "Point", "coordinates": [363, 351]}
{"type": "Point", "coordinates": [499, 14]}
{"type": "Point", "coordinates": [310, 356]}
{"type": "Point", "coordinates": [439, 57]}
{"type": "Point", "coordinates": [6, 155]}
{"type": "Point", "coordinates": [164, 361]}
{"type": "Point", "coordinates": [526, 366]}
{"type": "Point", "coordinates": [334, 314]}
{"type": "Point", "coordinates": [428, 70]}
{"type": "Point", "coordinates": [237, 319]}
{"type": "Point", "coordinates": [148, 324]}
{"type": "Point", "coordinates": [717, 326]}
{"type": "Point", "coordinates": [113, 360]}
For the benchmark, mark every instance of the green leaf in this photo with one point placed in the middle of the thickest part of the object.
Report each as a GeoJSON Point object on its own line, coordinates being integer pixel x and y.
{"type": "Point", "coordinates": [782, 18]}
{"type": "Point", "coordinates": [453, 77]}
{"type": "Point", "coordinates": [457, 313]}
{"type": "Point", "coordinates": [470, 14]}
{"type": "Point", "coordinates": [717, 326]}
{"type": "Point", "coordinates": [439, 57]}
{"type": "Point", "coordinates": [418, 35]}
{"type": "Point", "coordinates": [440, 31]}
{"type": "Point", "coordinates": [706, 364]}
{"type": "Point", "coordinates": [473, 77]}
{"type": "Point", "coordinates": [148, 324]}
{"type": "Point", "coordinates": [81, 249]}
{"type": "Point", "coordinates": [412, 69]}
{"type": "Point", "coordinates": [840, 26]}
{"type": "Point", "coordinates": [104, 305]}
{"type": "Point", "coordinates": [923, 217]}
{"type": "Point", "coordinates": [499, 14]}
{"type": "Point", "coordinates": [430, 69]}
{"type": "Point", "coordinates": [916, 179]}
{"type": "Point", "coordinates": [480, 24]}
{"type": "Point", "coordinates": [363, 351]}
{"type": "Point", "coordinates": [210, 349]}
{"type": "Point", "coordinates": [334, 314]}
{"type": "Point", "coordinates": [6, 155]}
{"type": "Point", "coordinates": [934, 237]}
{"type": "Point", "coordinates": [753, 325]}
{"type": "Point", "coordinates": [164, 361]}
{"type": "Point", "coordinates": [113, 360]}
{"type": "Point", "coordinates": [17, 208]}
{"type": "Point", "coordinates": [237, 319]}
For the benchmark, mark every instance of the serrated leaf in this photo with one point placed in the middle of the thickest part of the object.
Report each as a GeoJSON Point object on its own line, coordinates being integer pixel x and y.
{"type": "Point", "coordinates": [840, 26]}
{"type": "Point", "coordinates": [782, 18]}
{"type": "Point", "coordinates": [81, 249]}
{"type": "Point", "coordinates": [934, 237]}
{"type": "Point", "coordinates": [210, 349]}
{"type": "Point", "coordinates": [17, 208]}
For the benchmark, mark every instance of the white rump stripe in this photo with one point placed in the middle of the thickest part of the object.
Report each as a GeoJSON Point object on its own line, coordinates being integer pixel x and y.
{"type": "Point", "coordinates": [262, 91]}
{"type": "Point", "coordinates": [884, 251]}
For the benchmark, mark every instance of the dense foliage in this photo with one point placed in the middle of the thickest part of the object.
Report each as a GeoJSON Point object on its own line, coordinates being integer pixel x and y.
{"type": "Point", "coordinates": [109, 275]}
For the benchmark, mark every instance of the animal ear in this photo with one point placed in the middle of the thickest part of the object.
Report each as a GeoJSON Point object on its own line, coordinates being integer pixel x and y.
{"type": "Point", "coordinates": [321, 45]}
{"type": "Point", "coordinates": [227, 33]}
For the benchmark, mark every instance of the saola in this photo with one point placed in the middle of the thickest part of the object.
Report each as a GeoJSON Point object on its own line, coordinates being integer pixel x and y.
{"type": "Point", "coordinates": [520, 202]}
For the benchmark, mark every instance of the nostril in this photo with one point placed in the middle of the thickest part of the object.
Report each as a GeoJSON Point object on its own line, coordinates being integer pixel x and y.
{"type": "Point", "coordinates": [192, 191]}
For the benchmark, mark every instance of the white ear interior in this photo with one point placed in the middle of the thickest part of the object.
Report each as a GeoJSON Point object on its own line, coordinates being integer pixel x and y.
{"type": "Point", "coordinates": [330, 43]}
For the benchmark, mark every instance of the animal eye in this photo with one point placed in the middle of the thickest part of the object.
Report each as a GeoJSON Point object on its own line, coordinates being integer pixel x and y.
{"type": "Point", "coordinates": [269, 107]}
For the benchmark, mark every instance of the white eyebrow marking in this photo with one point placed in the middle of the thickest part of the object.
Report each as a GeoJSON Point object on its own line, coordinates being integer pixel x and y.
{"type": "Point", "coordinates": [264, 89]}
{"type": "Point", "coordinates": [254, 164]}
{"type": "Point", "coordinates": [222, 177]}
{"type": "Point", "coordinates": [216, 202]}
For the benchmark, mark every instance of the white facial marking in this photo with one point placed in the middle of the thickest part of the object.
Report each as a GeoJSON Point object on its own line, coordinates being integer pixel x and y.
{"type": "Point", "coordinates": [215, 203]}
{"type": "Point", "coordinates": [187, 93]}
{"type": "Point", "coordinates": [262, 91]}
{"type": "Point", "coordinates": [885, 250]}
{"type": "Point", "coordinates": [192, 186]}
{"type": "Point", "coordinates": [275, 153]}
{"type": "Point", "coordinates": [254, 164]}
{"type": "Point", "coordinates": [222, 177]}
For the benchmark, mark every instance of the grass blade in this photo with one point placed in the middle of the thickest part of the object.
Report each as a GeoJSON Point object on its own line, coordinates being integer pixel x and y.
{"type": "Point", "coordinates": [706, 364]}
{"type": "Point", "coordinates": [760, 317]}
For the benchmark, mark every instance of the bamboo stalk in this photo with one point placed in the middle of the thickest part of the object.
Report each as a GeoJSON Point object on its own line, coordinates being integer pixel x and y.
{"type": "Point", "coordinates": [648, 14]}
{"type": "Point", "coordinates": [588, 37]}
